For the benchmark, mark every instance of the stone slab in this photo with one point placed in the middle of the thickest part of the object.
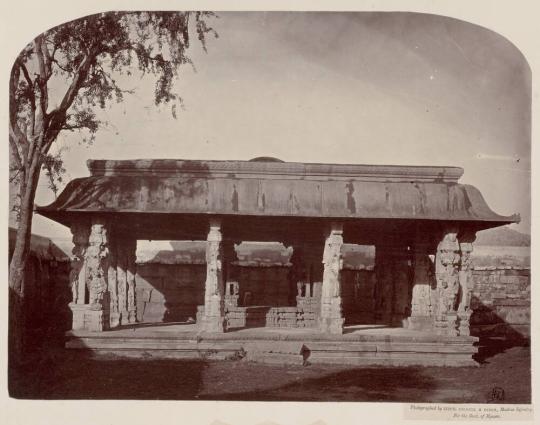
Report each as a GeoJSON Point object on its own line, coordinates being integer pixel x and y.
{"type": "Point", "coordinates": [285, 347]}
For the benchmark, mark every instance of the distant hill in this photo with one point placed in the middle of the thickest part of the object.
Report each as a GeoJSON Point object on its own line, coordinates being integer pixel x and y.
{"type": "Point", "coordinates": [502, 236]}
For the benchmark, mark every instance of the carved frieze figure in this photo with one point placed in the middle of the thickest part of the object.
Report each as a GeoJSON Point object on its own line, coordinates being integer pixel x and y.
{"type": "Point", "coordinates": [213, 262]}
{"type": "Point", "coordinates": [465, 277]}
{"type": "Point", "coordinates": [80, 233]}
{"type": "Point", "coordinates": [333, 263]}
{"type": "Point", "coordinates": [113, 282]}
{"type": "Point", "coordinates": [448, 255]}
{"type": "Point", "coordinates": [74, 280]}
{"type": "Point", "coordinates": [96, 269]}
{"type": "Point", "coordinates": [299, 287]}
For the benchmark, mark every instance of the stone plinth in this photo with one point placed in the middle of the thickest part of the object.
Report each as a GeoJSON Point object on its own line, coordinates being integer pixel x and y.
{"type": "Point", "coordinates": [331, 320]}
{"type": "Point", "coordinates": [213, 319]}
{"type": "Point", "coordinates": [89, 317]}
{"type": "Point", "coordinates": [420, 323]}
{"type": "Point", "coordinates": [383, 347]}
{"type": "Point", "coordinates": [464, 321]}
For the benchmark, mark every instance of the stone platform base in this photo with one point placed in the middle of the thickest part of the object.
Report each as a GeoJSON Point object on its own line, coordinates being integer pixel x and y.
{"type": "Point", "coordinates": [388, 347]}
{"type": "Point", "coordinates": [266, 316]}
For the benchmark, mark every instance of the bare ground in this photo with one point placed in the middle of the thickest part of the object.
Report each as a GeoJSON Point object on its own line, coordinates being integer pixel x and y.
{"type": "Point", "coordinates": [62, 374]}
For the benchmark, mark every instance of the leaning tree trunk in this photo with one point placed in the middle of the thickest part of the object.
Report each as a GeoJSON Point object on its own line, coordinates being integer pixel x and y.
{"type": "Point", "coordinates": [18, 262]}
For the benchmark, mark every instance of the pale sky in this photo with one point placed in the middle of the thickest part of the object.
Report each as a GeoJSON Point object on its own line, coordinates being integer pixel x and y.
{"type": "Point", "coordinates": [365, 88]}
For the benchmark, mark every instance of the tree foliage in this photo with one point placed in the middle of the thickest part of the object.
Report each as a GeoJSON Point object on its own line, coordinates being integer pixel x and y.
{"type": "Point", "coordinates": [60, 79]}
{"type": "Point", "coordinates": [82, 57]}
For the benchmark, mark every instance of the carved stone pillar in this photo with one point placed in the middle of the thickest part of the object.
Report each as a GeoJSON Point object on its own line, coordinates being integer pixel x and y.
{"type": "Point", "coordinates": [466, 283]}
{"type": "Point", "coordinates": [331, 319]}
{"type": "Point", "coordinates": [384, 289]}
{"type": "Point", "coordinates": [125, 279]}
{"type": "Point", "coordinates": [213, 319]}
{"type": "Point", "coordinates": [232, 286]}
{"type": "Point", "coordinates": [297, 273]}
{"type": "Point", "coordinates": [77, 276]}
{"type": "Point", "coordinates": [80, 233]}
{"type": "Point", "coordinates": [131, 256]}
{"type": "Point", "coordinates": [97, 263]}
{"type": "Point", "coordinates": [90, 276]}
{"type": "Point", "coordinates": [114, 314]}
{"type": "Point", "coordinates": [447, 263]}
{"type": "Point", "coordinates": [422, 308]}
{"type": "Point", "coordinates": [121, 282]}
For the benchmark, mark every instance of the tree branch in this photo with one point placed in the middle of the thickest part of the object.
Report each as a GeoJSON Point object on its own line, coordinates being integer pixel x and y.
{"type": "Point", "coordinates": [16, 136]}
{"type": "Point", "coordinates": [73, 127]}
{"type": "Point", "coordinates": [42, 80]}
{"type": "Point", "coordinates": [25, 73]}
{"type": "Point", "coordinates": [53, 59]}
{"type": "Point", "coordinates": [47, 59]}
{"type": "Point", "coordinates": [13, 147]}
{"type": "Point", "coordinates": [32, 96]}
{"type": "Point", "coordinates": [57, 116]}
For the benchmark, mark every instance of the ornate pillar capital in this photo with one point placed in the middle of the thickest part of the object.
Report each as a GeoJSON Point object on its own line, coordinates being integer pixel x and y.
{"type": "Point", "coordinates": [214, 232]}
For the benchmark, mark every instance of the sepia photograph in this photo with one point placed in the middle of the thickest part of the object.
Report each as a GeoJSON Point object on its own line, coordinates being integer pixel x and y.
{"type": "Point", "coordinates": [270, 206]}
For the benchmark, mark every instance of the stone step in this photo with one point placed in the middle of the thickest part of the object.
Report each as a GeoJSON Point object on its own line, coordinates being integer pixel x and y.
{"type": "Point", "coordinates": [275, 358]}
{"type": "Point", "coordinates": [276, 352]}
{"type": "Point", "coordinates": [392, 353]}
{"type": "Point", "coordinates": [159, 347]}
{"type": "Point", "coordinates": [386, 352]}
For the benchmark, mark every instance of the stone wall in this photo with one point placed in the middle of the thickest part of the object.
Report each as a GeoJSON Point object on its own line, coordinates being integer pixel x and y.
{"type": "Point", "coordinates": [304, 316]}
{"type": "Point", "coordinates": [358, 296]}
{"type": "Point", "coordinates": [169, 292]}
{"type": "Point", "coordinates": [501, 302]}
{"type": "Point", "coordinates": [265, 286]}
{"type": "Point", "coordinates": [172, 292]}
{"type": "Point", "coordinates": [45, 313]}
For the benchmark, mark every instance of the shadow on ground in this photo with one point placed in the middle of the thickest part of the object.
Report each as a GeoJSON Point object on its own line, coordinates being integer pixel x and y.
{"type": "Point", "coordinates": [63, 374]}
{"type": "Point", "coordinates": [489, 347]}
{"type": "Point", "coordinates": [79, 377]}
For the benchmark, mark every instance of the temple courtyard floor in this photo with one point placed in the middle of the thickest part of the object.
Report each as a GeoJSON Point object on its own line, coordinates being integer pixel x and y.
{"type": "Point", "coordinates": [502, 375]}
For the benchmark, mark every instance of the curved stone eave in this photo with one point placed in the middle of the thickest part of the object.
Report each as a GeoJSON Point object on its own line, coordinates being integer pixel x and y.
{"type": "Point", "coordinates": [478, 200]}
{"type": "Point", "coordinates": [329, 199]}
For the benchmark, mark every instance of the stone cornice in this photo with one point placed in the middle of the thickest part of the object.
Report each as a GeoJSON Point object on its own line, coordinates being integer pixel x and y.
{"type": "Point", "coordinates": [274, 170]}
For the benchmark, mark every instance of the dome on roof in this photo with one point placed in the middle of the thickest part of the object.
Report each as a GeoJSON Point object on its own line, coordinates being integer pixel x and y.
{"type": "Point", "coordinates": [265, 159]}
